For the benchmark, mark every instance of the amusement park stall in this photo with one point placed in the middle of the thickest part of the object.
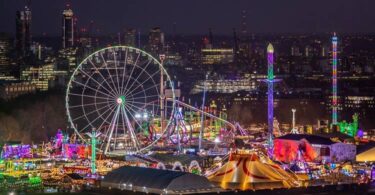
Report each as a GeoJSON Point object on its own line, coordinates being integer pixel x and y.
{"type": "Point", "coordinates": [312, 148]}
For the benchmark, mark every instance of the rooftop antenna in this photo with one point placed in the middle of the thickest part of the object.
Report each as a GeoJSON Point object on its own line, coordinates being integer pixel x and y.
{"type": "Point", "coordinates": [139, 39]}
{"type": "Point", "coordinates": [28, 3]}
{"type": "Point", "coordinates": [210, 37]}
{"type": "Point", "coordinates": [119, 38]}
{"type": "Point", "coordinates": [243, 23]}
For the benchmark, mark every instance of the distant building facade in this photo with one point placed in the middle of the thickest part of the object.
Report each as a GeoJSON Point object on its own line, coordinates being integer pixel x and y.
{"type": "Point", "coordinates": [156, 41]}
{"type": "Point", "coordinates": [217, 56]}
{"type": "Point", "coordinates": [44, 76]}
{"type": "Point", "coordinates": [130, 37]}
{"type": "Point", "coordinates": [5, 45]}
{"type": "Point", "coordinates": [13, 90]}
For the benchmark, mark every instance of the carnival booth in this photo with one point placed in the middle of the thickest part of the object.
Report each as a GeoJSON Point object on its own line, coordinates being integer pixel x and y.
{"type": "Point", "coordinates": [312, 148]}
{"type": "Point", "coordinates": [249, 172]}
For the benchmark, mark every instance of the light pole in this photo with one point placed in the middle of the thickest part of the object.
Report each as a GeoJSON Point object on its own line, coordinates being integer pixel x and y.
{"type": "Point", "coordinates": [294, 129]}
{"type": "Point", "coordinates": [162, 96]}
{"type": "Point", "coordinates": [217, 142]}
{"type": "Point", "coordinates": [202, 116]}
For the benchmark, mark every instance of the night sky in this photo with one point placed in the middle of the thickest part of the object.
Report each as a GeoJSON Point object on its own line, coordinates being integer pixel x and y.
{"type": "Point", "coordinates": [196, 16]}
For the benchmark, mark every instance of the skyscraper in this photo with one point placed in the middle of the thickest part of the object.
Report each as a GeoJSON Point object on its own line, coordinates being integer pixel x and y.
{"type": "Point", "coordinates": [156, 41]}
{"type": "Point", "coordinates": [23, 34]}
{"type": "Point", "coordinates": [4, 49]}
{"type": "Point", "coordinates": [5, 43]}
{"type": "Point", "coordinates": [130, 37]}
{"type": "Point", "coordinates": [67, 28]}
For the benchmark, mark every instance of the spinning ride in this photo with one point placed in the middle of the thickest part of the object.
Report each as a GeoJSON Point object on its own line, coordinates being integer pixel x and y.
{"type": "Point", "coordinates": [119, 91]}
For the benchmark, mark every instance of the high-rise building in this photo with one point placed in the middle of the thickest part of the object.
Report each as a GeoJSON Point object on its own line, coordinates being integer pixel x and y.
{"type": "Point", "coordinates": [4, 50]}
{"type": "Point", "coordinates": [156, 41]}
{"type": "Point", "coordinates": [23, 31]}
{"type": "Point", "coordinates": [295, 51]}
{"type": "Point", "coordinates": [130, 37]}
{"type": "Point", "coordinates": [68, 28]}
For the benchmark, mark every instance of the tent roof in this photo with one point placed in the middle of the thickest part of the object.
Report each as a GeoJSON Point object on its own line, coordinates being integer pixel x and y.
{"type": "Point", "coordinates": [367, 156]}
{"type": "Point", "coordinates": [248, 172]}
{"type": "Point", "coordinates": [157, 179]}
{"type": "Point", "coordinates": [365, 147]}
{"type": "Point", "coordinates": [336, 134]}
{"type": "Point", "coordinates": [312, 139]}
{"type": "Point", "coordinates": [185, 159]}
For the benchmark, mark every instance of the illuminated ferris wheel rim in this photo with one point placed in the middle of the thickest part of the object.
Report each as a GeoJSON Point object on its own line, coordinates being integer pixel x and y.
{"type": "Point", "coordinates": [119, 99]}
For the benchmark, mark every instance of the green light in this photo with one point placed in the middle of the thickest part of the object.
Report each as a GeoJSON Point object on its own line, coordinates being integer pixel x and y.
{"type": "Point", "coordinates": [35, 180]}
{"type": "Point", "coordinates": [121, 100]}
{"type": "Point", "coordinates": [270, 51]}
{"type": "Point", "coordinates": [93, 152]}
{"type": "Point", "coordinates": [350, 129]}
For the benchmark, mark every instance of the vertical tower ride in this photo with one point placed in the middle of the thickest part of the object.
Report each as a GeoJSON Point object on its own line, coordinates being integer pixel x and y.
{"type": "Point", "coordinates": [334, 79]}
{"type": "Point", "coordinates": [270, 81]}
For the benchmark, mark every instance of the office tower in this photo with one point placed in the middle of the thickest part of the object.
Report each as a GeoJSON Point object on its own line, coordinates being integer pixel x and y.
{"type": "Point", "coordinates": [68, 28]}
{"type": "Point", "coordinates": [130, 37]}
{"type": "Point", "coordinates": [156, 41]}
{"type": "Point", "coordinates": [23, 34]}
{"type": "Point", "coordinates": [4, 50]}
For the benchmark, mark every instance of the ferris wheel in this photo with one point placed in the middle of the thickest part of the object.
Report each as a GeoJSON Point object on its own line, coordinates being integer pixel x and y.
{"type": "Point", "coordinates": [119, 91]}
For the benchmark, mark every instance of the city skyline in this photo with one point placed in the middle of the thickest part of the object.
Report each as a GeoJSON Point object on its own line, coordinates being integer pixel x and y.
{"type": "Point", "coordinates": [289, 16]}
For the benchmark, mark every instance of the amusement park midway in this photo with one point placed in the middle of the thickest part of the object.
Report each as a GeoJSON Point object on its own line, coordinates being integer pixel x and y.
{"type": "Point", "coordinates": [133, 133]}
{"type": "Point", "coordinates": [187, 97]}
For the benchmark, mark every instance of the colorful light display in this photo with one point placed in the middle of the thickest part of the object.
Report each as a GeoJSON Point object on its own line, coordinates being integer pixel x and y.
{"type": "Point", "coordinates": [93, 135]}
{"type": "Point", "coordinates": [350, 129]}
{"type": "Point", "coordinates": [76, 151]}
{"type": "Point", "coordinates": [334, 79]}
{"type": "Point", "coordinates": [288, 151]}
{"type": "Point", "coordinates": [270, 80]}
{"type": "Point", "coordinates": [16, 151]}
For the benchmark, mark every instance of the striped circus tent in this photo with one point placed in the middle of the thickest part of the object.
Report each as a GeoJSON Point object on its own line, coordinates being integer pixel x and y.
{"type": "Point", "coordinates": [249, 172]}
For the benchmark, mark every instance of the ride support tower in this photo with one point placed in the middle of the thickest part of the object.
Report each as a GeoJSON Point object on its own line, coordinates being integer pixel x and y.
{"type": "Point", "coordinates": [334, 79]}
{"type": "Point", "coordinates": [270, 80]}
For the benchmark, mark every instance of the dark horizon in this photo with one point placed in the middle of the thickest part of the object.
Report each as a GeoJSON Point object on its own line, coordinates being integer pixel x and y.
{"type": "Point", "coordinates": [195, 17]}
